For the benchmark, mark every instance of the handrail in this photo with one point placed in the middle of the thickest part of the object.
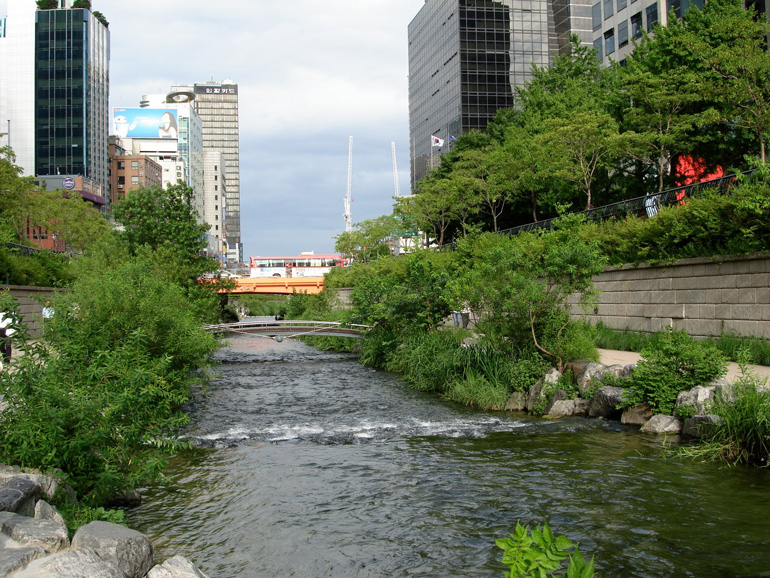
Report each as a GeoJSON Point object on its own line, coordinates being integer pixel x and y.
{"type": "Point", "coordinates": [643, 206]}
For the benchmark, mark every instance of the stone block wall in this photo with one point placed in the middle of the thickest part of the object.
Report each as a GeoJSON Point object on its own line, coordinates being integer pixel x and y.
{"type": "Point", "coordinates": [726, 295]}
{"type": "Point", "coordinates": [31, 301]}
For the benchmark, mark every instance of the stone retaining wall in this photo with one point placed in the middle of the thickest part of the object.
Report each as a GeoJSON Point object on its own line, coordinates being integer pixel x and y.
{"type": "Point", "coordinates": [727, 295]}
{"type": "Point", "coordinates": [31, 301]}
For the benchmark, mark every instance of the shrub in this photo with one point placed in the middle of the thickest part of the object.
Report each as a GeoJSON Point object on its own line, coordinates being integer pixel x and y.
{"type": "Point", "coordinates": [673, 363]}
{"type": "Point", "coordinates": [537, 553]}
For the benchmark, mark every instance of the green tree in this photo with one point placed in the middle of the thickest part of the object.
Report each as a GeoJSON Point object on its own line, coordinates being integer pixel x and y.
{"type": "Point", "coordinates": [474, 172]}
{"type": "Point", "coordinates": [730, 44]}
{"type": "Point", "coordinates": [370, 239]}
{"type": "Point", "coordinates": [47, 4]}
{"type": "Point", "coordinates": [82, 4]}
{"type": "Point", "coordinates": [162, 217]}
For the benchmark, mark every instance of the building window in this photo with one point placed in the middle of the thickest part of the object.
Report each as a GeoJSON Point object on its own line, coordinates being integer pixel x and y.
{"type": "Point", "coordinates": [623, 33]}
{"type": "Point", "coordinates": [636, 25]}
{"type": "Point", "coordinates": [609, 41]}
{"type": "Point", "coordinates": [134, 165]}
{"type": "Point", "coordinates": [622, 4]}
{"type": "Point", "coordinates": [652, 16]}
{"type": "Point", "coordinates": [216, 197]}
{"type": "Point", "coordinates": [121, 180]}
{"type": "Point", "coordinates": [608, 9]}
{"type": "Point", "coordinates": [121, 165]}
{"type": "Point", "coordinates": [216, 187]}
{"type": "Point", "coordinates": [134, 180]}
{"type": "Point", "coordinates": [598, 48]}
{"type": "Point", "coordinates": [216, 178]}
{"type": "Point", "coordinates": [596, 13]}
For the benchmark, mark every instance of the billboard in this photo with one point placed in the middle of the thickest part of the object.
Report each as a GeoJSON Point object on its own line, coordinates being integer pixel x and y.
{"type": "Point", "coordinates": [145, 122]}
{"type": "Point", "coordinates": [216, 89]}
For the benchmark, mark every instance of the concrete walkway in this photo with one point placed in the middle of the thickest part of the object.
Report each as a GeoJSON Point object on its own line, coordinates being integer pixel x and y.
{"type": "Point", "coordinates": [611, 357]}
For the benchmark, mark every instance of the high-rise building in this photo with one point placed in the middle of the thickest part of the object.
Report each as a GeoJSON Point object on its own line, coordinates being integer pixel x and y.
{"type": "Point", "coordinates": [217, 105]}
{"type": "Point", "coordinates": [467, 57]}
{"type": "Point", "coordinates": [55, 89]}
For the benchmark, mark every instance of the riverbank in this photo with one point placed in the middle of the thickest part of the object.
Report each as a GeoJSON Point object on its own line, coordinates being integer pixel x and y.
{"type": "Point", "coordinates": [614, 357]}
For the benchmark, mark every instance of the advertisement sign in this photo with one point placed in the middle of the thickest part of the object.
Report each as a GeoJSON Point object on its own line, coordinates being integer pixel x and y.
{"type": "Point", "coordinates": [145, 122]}
{"type": "Point", "coordinates": [216, 89]}
{"type": "Point", "coordinates": [68, 183]}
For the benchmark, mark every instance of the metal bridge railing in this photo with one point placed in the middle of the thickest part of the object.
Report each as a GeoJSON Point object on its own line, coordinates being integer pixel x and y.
{"type": "Point", "coordinates": [646, 206]}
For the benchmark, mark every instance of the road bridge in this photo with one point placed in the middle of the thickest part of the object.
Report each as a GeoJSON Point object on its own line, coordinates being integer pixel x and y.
{"type": "Point", "coordinates": [292, 328]}
{"type": "Point", "coordinates": [277, 285]}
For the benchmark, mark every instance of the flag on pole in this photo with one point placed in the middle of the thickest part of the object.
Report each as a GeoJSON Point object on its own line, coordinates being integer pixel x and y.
{"type": "Point", "coordinates": [452, 138]}
{"type": "Point", "coordinates": [436, 142]}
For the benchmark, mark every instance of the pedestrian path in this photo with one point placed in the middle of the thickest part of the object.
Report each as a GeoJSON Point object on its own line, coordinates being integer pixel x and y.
{"type": "Point", "coordinates": [612, 357]}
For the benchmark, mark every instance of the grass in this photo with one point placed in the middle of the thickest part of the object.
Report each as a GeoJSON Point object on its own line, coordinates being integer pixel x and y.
{"type": "Point", "coordinates": [758, 349]}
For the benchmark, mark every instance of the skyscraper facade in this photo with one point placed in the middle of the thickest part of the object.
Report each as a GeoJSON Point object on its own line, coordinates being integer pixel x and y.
{"type": "Point", "coordinates": [72, 95]}
{"type": "Point", "coordinates": [466, 58]}
{"type": "Point", "coordinates": [55, 89]}
{"type": "Point", "coordinates": [217, 105]}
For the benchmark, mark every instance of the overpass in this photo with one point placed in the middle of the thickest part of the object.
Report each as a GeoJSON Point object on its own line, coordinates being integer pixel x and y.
{"type": "Point", "coordinates": [291, 328]}
{"type": "Point", "coordinates": [277, 285]}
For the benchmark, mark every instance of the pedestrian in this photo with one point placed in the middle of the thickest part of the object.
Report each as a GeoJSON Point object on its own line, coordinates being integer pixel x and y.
{"type": "Point", "coordinates": [456, 318]}
{"type": "Point", "coordinates": [6, 331]}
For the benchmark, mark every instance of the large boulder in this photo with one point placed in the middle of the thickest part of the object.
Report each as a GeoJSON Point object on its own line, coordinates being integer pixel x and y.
{"type": "Point", "coordinates": [176, 567]}
{"type": "Point", "coordinates": [130, 550]}
{"type": "Point", "coordinates": [84, 563]}
{"type": "Point", "coordinates": [638, 415]}
{"type": "Point", "coordinates": [698, 425]}
{"type": "Point", "coordinates": [536, 392]}
{"type": "Point", "coordinates": [45, 511]}
{"type": "Point", "coordinates": [587, 374]}
{"type": "Point", "coordinates": [517, 402]}
{"type": "Point", "coordinates": [19, 494]}
{"type": "Point", "coordinates": [605, 403]}
{"type": "Point", "coordinates": [560, 408]}
{"type": "Point", "coordinates": [14, 557]}
{"type": "Point", "coordinates": [25, 531]}
{"type": "Point", "coordinates": [698, 397]}
{"type": "Point", "coordinates": [663, 424]}
{"type": "Point", "coordinates": [581, 407]}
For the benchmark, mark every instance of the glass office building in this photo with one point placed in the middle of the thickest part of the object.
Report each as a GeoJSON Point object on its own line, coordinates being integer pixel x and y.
{"type": "Point", "coordinates": [466, 59]}
{"type": "Point", "coordinates": [71, 95]}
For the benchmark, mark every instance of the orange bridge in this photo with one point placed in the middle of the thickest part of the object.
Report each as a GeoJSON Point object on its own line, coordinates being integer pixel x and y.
{"type": "Point", "coordinates": [278, 285]}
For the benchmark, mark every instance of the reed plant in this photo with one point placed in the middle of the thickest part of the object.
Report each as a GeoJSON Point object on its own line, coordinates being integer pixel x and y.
{"type": "Point", "coordinates": [741, 433]}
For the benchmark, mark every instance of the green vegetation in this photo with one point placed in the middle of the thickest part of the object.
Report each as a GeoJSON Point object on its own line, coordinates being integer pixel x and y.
{"type": "Point", "coordinates": [673, 363]}
{"type": "Point", "coordinates": [99, 397]}
{"type": "Point", "coordinates": [260, 305]}
{"type": "Point", "coordinates": [537, 553]}
{"type": "Point", "coordinates": [741, 434]}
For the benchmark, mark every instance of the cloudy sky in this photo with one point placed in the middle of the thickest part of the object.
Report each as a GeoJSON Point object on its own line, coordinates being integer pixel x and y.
{"type": "Point", "coordinates": [311, 73]}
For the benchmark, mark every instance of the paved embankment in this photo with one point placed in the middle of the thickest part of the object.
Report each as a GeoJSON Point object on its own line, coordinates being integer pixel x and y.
{"type": "Point", "coordinates": [612, 357]}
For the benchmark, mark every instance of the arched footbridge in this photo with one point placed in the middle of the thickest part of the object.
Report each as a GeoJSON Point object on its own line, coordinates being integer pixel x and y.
{"type": "Point", "coordinates": [292, 328]}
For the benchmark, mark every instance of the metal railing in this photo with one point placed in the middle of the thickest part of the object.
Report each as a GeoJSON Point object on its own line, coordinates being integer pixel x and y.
{"type": "Point", "coordinates": [646, 206]}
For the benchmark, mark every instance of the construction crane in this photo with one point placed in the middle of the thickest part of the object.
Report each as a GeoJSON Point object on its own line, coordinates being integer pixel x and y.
{"type": "Point", "coordinates": [396, 191]}
{"type": "Point", "coordinates": [348, 198]}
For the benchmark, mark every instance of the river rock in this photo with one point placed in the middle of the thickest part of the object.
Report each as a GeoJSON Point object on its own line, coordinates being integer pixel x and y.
{"type": "Point", "coordinates": [517, 402]}
{"type": "Point", "coordinates": [45, 511]}
{"type": "Point", "coordinates": [83, 563]}
{"type": "Point", "coordinates": [561, 408]}
{"type": "Point", "coordinates": [588, 374]}
{"type": "Point", "coordinates": [536, 391]}
{"type": "Point", "coordinates": [25, 531]}
{"type": "Point", "coordinates": [638, 415]}
{"type": "Point", "coordinates": [697, 425]}
{"type": "Point", "coordinates": [663, 424]}
{"type": "Point", "coordinates": [605, 403]}
{"type": "Point", "coordinates": [176, 567]}
{"type": "Point", "coordinates": [19, 494]}
{"type": "Point", "coordinates": [14, 557]}
{"type": "Point", "coordinates": [129, 549]}
{"type": "Point", "coordinates": [581, 407]}
{"type": "Point", "coordinates": [698, 397]}
{"type": "Point", "coordinates": [559, 395]}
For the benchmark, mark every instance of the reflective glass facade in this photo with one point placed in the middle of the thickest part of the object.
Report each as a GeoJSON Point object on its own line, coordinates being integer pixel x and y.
{"type": "Point", "coordinates": [71, 95]}
{"type": "Point", "coordinates": [466, 58]}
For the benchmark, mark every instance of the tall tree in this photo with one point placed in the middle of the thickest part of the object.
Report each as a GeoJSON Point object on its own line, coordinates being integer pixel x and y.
{"type": "Point", "coordinates": [730, 43]}
{"type": "Point", "coordinates": [162, 217]}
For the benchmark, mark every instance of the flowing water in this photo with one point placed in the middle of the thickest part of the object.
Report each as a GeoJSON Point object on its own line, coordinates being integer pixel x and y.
{"type": "Point", "coordinates": [310, 465]}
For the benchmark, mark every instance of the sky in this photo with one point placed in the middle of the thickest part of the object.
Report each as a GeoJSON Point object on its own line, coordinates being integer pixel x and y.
{"type": "Point", "coordinates": [310, 74]}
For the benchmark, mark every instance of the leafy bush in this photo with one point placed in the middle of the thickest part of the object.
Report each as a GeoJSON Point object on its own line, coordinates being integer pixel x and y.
{"type": "Point", "coordinates": [673, 363]}
{"type": "Point", "coordinates": [537, 553]}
